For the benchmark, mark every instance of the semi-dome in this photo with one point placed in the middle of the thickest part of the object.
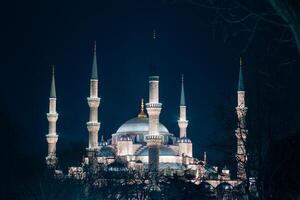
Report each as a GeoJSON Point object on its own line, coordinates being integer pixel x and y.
{"type": "Point", "coordinates": [106, 151]}
{"type": "Point", "coordinates": [139, 125]}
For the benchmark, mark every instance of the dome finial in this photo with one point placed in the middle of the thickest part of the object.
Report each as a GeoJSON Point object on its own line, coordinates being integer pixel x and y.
{"type": "Point", "coordinates": [142, 113]}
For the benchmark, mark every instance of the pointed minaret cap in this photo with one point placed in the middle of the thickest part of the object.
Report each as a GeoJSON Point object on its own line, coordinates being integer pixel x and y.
{"type": "Point", "coordinates": [182, 96]}
{"type": "Point", "coordinates": [205, 157]}
{"type": "Point", "coordinates": [94, 67]}
{"type": "Point", "coordinates": [53, 90]}
{"type": "Point", "coordinates": [153, 57]}
{"type": "Point", "coordinates": [142, 114]}
{"type": "Point", "coordinates": [241, 80]}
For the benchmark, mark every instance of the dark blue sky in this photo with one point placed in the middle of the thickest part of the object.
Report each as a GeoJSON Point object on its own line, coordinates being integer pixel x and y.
{"type": "Point", "coordinates": [41, 34]}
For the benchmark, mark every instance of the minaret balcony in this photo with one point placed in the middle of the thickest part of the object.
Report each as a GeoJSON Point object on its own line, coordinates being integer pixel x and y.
{"type": "Point", "coordinates": [93, 126]}
{"type": "Point", "coordinates": [153, 108]}
{"type": "Point", "coordinates": [52, 138]}
{"type": "Point", "coordinates": [153, 105]}
{"type": "Point", "coordinates": [52, 117]}
{"type": "Point", "coordinates": [153, 78]}
{"type": "Point", "coordinates": [183, 123]}
{"type": "Point", "coordinates": [154, 140]}
{"type": "Point", "coordinates": [93, 101]}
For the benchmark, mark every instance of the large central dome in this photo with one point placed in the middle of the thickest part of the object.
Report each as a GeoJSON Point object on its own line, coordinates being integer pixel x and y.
{"type": "Point", "coordinates": [139, 125]}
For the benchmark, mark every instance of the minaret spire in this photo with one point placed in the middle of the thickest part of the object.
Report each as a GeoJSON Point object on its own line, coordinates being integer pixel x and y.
{"type": "Point", "coordinates": [153, 54]}
{"type": "Point", "coordinates": [53, 90]}
{"type": "Point", "coordinates": [94, 67]}
{"type": "Point", "coordinates": [241, 80]}
{"type": "Point", "coordinates": [52, 116]}
{"type": "Point", "coordinates": [182, 122]}
{"type": "Point", "coordinates": [182, 96]}
{"type": "Point", "coordinates": [241, 131]}
{"type": "Point", "coordinates": [93, 125]}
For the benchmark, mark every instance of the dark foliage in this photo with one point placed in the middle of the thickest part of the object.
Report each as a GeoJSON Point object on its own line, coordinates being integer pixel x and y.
{"type": "Point", "coordinates": [282, 168]}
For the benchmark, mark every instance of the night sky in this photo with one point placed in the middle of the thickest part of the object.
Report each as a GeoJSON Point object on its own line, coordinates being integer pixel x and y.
{"type": "Point", "coordinates": [39, 34]}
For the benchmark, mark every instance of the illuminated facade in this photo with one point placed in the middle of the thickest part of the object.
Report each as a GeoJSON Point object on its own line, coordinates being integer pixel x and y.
{"type": "Point", "coordinates": [145, 144]}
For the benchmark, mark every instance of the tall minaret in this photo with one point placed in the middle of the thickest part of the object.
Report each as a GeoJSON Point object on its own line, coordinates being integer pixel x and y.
{"type": "Point", "coordinates": [52, 116]}
{"type": "Point", "coordinates": [154, 139]}
{"type": "Point", "coordinates": [182, 122]}
{"type": "Point", "coordinates": [93, 125]}
{"type": "Point", "coordinates": [241, 131]}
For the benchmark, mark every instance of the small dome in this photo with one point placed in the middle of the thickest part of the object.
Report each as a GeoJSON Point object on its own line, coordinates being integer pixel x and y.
{"type": "Point", "coordinates": [205, 187]}
{"type": "Point", "coordinates": [139, 125]}
{"type": "Point", "coordinates": [184, 140]}
{"type": "Point", "coordinates": [163, 151]}
{"type": "Point", "coordinates": [124, 138]}
{"type": "Point", "coordinates": [224, 186]}
{"type": "Point", "coordinates": [106, 151]}
{"type": "Point", "coordinates": [102, 143]}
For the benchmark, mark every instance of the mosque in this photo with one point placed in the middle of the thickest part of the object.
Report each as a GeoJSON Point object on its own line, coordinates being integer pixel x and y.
{"type": "Point", "coordinates": [144, 143]}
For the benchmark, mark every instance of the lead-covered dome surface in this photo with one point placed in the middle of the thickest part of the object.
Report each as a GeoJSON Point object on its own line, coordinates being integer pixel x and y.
{"type": "Point", "coordinates": [139, 125]}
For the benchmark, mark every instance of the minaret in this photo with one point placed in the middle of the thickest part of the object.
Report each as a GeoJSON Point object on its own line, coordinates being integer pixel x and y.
{"type": "Point", "coordinates": [93, 125]}
{"type": "Point", "coordinates": [182, 122]}
{"type": "Point", "coordinates": [154, 139]}
{"type": "Point", "coordinates": [184, 143]}
{"type": "Point", "coordinates": [241, 131]}
{"type": "Point", "coordinates": [52, 116]}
